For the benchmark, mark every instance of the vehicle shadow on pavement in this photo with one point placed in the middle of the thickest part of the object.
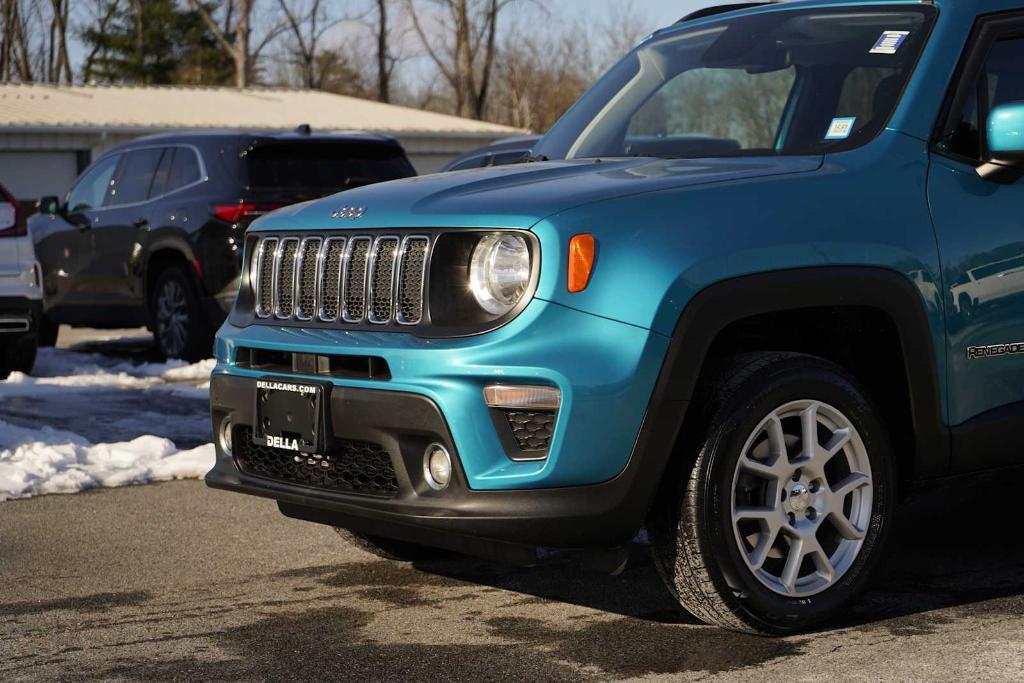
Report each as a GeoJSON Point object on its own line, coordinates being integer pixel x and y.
{"type": "Point", "coordinates": [948, 549]}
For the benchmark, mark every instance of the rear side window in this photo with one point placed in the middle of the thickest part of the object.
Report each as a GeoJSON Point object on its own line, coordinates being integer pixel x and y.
{"type": "Point", "coordinates": [90, 191]}
{"type": "Point", "coordinates": [132, 185]}
{"type": "Point", "coordinates": [1001, 81]}
{"type": "Point", "coordinates": [184, 169]}
{"type": "Point", "coordinates": [323, 165]}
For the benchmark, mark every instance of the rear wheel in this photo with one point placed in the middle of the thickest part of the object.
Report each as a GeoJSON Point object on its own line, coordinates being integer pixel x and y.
{"type": "Point", "coordinates": [179, 327]}
{"type": "Point", "coordinates": [390, 549]}
{"type": "Point", "coordinates": [785, 512]}
{"type": "Point", "coordinates": [17, 353]}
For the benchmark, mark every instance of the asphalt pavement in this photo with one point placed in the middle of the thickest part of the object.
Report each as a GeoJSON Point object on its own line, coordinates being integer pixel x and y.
{"type": "Point", "coordinates": [177, 581]}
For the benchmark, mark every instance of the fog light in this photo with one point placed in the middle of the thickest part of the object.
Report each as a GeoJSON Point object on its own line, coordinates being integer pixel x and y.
{"type": "Point", "coordinates": [224, 435]}
{"type": "Point", "coordinates": [437, 466]}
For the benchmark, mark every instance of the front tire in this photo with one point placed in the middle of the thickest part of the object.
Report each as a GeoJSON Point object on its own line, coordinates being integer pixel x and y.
{"type": "Point", "coordinates": [17, 353]}
{"type": "Point", "coordinates": [179, 326]}
{"type": "Point", "coordinates": [785, 512]}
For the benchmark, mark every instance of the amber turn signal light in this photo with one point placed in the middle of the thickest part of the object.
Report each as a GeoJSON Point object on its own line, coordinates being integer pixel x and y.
{"type": "Point", "coordinates": [581, 261]}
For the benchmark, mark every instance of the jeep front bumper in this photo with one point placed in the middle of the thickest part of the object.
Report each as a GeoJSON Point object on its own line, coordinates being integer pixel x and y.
{"type": "Point", "coordinates": [591, 490]}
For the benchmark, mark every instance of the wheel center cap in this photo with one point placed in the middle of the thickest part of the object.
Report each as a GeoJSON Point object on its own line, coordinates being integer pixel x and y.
{"type": "Point", "coordinates": [799, 498]}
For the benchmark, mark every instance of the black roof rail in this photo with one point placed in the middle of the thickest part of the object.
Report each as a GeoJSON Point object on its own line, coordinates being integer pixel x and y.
{"type": "Point", "coordinates": [722, 9]}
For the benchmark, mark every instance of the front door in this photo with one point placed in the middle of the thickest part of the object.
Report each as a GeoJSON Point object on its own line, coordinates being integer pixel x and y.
{"type": "Point", "coordinates": [118, 235]}
{"type": "Point", "coordinates": [979, 225]}
{"type": "Point", "coordinates": [66, 243]}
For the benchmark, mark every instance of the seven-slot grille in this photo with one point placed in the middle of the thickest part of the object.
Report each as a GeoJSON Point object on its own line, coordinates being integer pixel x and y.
{"type": "Point", "coordinates": [353, 279]}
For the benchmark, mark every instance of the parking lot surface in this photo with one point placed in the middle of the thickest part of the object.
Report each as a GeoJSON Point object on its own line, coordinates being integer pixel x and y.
{"type": "Point", "coordinates": [177, 581]}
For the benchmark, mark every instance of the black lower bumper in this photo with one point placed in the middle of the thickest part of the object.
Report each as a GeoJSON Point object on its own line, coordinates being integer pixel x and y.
{"type": "Point", "coordinates": [14, 308]}
{"type": "Point", "coordinates": [505, 524]}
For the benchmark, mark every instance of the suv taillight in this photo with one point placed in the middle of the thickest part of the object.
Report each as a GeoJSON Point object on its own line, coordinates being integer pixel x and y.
{"type": "Point", "coordinates": [12, 216]}
{"type": "Point", "coordinates": [233, 213]}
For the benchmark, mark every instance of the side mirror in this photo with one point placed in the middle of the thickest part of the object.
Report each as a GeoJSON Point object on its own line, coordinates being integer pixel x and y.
{"type": "Point", "coordinates": [1005, 143]}
{"type": "Point", "coordinates": [49, 206]}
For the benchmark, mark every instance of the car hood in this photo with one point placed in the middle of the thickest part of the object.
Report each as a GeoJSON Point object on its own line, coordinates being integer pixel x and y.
{"type": "Point", "coordinates": [516, 196]}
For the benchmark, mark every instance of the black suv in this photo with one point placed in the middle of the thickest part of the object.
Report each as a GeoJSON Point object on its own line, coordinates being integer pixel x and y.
{"type": "Point", "coordinates": [151, 233]}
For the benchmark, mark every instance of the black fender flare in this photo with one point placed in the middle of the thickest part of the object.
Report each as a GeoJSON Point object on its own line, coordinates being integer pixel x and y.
{"type": "Point", "coordinates": [728, 301]}
{"type": "Point", "coordinates": [159, 243]}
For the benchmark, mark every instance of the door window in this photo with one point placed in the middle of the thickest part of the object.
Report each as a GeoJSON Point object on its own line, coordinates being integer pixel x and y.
{"type": "Point", "coordinates": [90, 191]}
{"type": "Point", "coordinates": [133, 184]}
{"type": "Point", "coordinates": [1001, 81]}
{"type": "Point", "coordinates": [184, 169]}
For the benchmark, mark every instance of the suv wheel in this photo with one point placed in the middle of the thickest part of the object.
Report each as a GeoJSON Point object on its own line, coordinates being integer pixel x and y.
{"type": "Point", "coordinates": [179, 327]}
{"type": "Point", "coordinates": [17, 353]}
{"type": "Point", "coordinates": [788, 504]}
{"type": "Point", "coordinates": [390, 549]}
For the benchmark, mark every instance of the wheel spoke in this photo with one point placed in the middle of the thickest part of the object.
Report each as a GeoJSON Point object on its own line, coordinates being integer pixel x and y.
{"type": "Point", "coordinates": [845, 527]}
{"type": "Point", "coordinates": [793, 561]}
{"type": "Point", "coordinates": [767, 515]}
{"type": "Point", "coordinates": [809, 432]}
{"type": "Point", "coordinates": [853, 482]}
{"type": "Point", "coordinates": [840, 438]}
{"type": "Point", "coordinates": [759, 554]}
{"type": "Point", "coordinates": [822, 562]}
{"type": "Point", "coordinates": [760, 467]}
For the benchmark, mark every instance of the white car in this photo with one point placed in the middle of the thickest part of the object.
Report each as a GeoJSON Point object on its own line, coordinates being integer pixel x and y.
{"type": "Point", "coordinates": [21, 294]}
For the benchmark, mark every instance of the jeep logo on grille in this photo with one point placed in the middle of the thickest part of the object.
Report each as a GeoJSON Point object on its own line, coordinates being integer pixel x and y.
{"type": "Point", "coordinates": [349, 212]}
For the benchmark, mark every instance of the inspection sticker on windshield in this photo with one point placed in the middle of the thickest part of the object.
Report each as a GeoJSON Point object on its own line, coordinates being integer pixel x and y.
{"type": "Point", "coordinates": [841, 128]}
{"type": "Point", "coordinates": [890, 42]}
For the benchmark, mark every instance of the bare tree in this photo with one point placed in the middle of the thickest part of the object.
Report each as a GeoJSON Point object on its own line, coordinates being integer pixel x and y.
{"type": "Point", "coordinates": [15, 53]}
{"type": "Point", "coordinates": [308, 22]}
{"type": "Point", "coordinates": [466, 58]}
{"type": "Point", "coordinates": [385, 62]}
{"type": "Point", "coordinates": [235, 36]}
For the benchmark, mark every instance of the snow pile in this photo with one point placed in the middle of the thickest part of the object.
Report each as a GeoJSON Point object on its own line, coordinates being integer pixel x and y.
{"type": "Point", "coordinates": [85, 420]}
{"type": "Point", "coordinates": [39, 461]}
{"type": "Point", "coordinates": [56, 370]}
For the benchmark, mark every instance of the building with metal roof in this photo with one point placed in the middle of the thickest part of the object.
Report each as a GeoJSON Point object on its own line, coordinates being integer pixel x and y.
{"type": "Point", "coordinates": [48, 133]}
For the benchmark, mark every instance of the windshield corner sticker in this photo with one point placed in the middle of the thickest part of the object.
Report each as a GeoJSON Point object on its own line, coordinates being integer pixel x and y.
{"type": "Point", "coordinates": [890, 42]}
{"type": "Point", "coordinates": [841, 128]}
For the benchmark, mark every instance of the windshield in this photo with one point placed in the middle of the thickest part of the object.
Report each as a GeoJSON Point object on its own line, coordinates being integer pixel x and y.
{"type": "Point", "coordinates": [778, 82]}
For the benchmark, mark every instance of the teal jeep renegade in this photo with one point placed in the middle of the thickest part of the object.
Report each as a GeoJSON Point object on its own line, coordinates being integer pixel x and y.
{"type": "Point", "coordinates": [763, 279]}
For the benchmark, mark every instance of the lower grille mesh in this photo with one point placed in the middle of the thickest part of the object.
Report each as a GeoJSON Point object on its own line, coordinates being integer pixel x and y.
{"type": "Point", "coordinates": [532, 430]}
{"type": "Point", "coordinates": [353, 466]}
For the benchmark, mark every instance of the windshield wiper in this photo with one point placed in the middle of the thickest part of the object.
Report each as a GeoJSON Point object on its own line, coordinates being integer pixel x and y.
{"type": "Point", "coordinates": [533, 158]}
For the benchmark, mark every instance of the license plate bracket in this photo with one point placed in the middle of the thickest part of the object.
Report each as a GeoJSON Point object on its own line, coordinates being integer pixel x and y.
{"type": "Point", "coordinates": [290, 415]}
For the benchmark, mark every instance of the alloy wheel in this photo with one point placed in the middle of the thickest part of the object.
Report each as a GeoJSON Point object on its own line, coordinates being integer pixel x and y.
{"type": "Point", "coordinates": [172, 318]}
{"type": "Point", "coordinates": [802, 498]}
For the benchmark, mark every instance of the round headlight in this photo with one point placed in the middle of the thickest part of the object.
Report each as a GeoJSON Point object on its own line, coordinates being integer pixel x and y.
{"type": "Point", "coordinates": [499, 272]}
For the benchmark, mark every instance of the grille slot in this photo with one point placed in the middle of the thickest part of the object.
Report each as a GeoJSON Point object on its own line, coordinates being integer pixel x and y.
{"type": "Point", "coordinates": [356, 262]}
{"type": "Point", "coordinates": [306, 278]}
{"type": "Point", "coordinates": [265, 282]}
{"type": "Point", "coordinates": [411, 277]}
{"type": "Point", "coordinates": [332, 257]}
{"type": "Point", "coordinates": [382, 279]}
{"type": "Point", "coordinates": [352, 466]}
{"type": "Point", "coordinates": [360, 279]}
{"type": "Point", "coordinates": [285, 277]}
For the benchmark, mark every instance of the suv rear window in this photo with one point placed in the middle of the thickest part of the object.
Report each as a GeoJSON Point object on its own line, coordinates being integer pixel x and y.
{"type": "Point", "coordinates": [323, 165]}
